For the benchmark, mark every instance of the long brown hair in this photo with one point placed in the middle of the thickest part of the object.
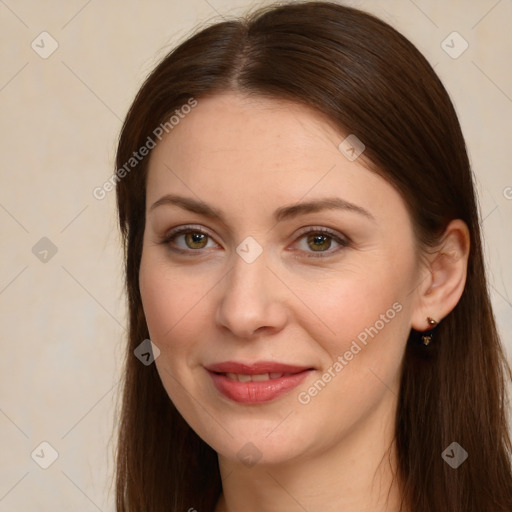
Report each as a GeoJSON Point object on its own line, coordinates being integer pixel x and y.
{"type": "Point", "coordinates": [372, 82]}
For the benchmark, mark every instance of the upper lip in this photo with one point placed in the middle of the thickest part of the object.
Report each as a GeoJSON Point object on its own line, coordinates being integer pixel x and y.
{"type": "Point", "coordinates": [256, 368]}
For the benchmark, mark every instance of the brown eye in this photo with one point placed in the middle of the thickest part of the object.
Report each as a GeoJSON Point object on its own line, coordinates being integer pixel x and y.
{"type": "Point", "coordinates": [319, 242]}
{"type": "Point", "coordinates": [188, 240]}
{"type": "Point", "coordinates": [195, 240]}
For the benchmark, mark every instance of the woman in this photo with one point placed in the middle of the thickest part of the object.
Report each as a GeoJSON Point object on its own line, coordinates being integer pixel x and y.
{"type": "Point", "coordinates": [303, 251]}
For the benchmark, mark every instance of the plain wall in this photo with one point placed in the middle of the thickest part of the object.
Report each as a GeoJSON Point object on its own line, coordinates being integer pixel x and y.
{"type": "Point", "coordinates": [63, 320]}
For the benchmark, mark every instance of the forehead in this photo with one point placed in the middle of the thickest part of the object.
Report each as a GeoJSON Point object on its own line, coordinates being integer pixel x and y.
{"type": "Point", "coordinates": [248, 152]}
{"type": "Point", "coordinates": [231, 126]}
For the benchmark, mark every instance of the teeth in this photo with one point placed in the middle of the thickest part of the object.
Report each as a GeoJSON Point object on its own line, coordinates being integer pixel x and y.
{"type": "Point", "coordinates": [263, 376]}
{"type": "Point", "coordinates": [260, 377]}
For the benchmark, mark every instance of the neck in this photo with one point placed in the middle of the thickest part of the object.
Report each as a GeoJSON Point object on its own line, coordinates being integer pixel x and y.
{"type": "Point", "coordinates": [356, 475]}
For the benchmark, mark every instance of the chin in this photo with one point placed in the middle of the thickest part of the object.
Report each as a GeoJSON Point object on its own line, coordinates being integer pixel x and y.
{"type": "Point", "coordinates": [258, 441]}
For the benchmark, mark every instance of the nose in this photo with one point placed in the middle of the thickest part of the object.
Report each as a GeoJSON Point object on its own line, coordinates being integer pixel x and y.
{"type": "Point", "coordinates": [253, 299]}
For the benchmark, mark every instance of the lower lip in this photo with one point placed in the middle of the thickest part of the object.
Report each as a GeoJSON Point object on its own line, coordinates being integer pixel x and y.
{"type": "Point", "coordinates": [255, 392]}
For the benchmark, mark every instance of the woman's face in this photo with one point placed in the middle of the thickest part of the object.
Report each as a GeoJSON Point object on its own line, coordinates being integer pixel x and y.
{"type": "Point", "coordinates": [282, 307]}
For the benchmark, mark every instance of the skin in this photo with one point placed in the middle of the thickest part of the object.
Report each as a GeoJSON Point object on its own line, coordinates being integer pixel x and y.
{"type": "Point", "coordinates": [247, 157]}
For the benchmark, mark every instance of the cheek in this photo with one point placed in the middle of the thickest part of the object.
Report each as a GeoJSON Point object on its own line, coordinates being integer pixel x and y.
{"type": "Point", "coordinates": [363, 331]}
{"type": "Point", "coordinates": [175, 302]}
{"type": "Point", "coordinates": [157, 302]}
{"type": "Point", "coordinates": [356, 304]}
{"type": "Point", "coordinates": [164, 298]}
{"type": "Point", "coordinates": [363, 354]}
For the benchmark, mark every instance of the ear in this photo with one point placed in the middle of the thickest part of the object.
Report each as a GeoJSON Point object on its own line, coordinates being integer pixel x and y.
{"type": "Point", "coordinates": [446, 268]}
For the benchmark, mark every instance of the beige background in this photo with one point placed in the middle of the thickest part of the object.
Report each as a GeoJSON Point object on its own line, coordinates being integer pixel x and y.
{"type": "Point", "coordinates": [62, 321]}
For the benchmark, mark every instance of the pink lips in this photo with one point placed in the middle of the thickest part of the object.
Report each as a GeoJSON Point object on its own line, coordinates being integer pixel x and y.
{"type": "Point", "coordinates": [256, 382]}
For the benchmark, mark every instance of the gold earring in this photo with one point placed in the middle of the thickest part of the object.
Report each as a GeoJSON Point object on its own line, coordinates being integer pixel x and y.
{"type": "Point", "coordinates": [431, 321]}
{"type": "Point", "coordinates": [427, 338]}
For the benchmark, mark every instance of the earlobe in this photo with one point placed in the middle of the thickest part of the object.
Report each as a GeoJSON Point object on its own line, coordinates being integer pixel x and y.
{"type": "Point", "coordinates": [447, 267]}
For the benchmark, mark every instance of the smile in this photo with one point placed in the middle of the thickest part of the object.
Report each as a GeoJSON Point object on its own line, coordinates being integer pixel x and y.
{"type": "Point", "coordinates": [256, 382]}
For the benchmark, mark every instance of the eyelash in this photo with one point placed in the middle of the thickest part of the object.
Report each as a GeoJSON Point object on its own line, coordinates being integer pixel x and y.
{"type": "Point", "coordinates": [343, 242]}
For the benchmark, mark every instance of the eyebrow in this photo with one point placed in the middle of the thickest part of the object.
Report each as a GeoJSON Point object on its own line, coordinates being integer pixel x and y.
{"type": "Point", "coordinates": [282, 213]}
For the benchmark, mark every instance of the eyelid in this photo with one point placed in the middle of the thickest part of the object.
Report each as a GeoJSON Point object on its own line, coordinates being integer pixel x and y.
{"type": "Point", "coordinates": [341, 239]}
{"type": "Point", "coordinates": [185, 228]}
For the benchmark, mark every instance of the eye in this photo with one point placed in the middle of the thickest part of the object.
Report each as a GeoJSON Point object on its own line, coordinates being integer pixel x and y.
{"type": "Point", "coordinates": [192, 238]}
{"type": "Point", "coordinates": [319, 240]}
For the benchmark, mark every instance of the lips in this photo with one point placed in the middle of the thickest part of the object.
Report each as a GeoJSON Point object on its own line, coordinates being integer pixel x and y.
{"type": "Point", "coordinates": [256, 382]}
